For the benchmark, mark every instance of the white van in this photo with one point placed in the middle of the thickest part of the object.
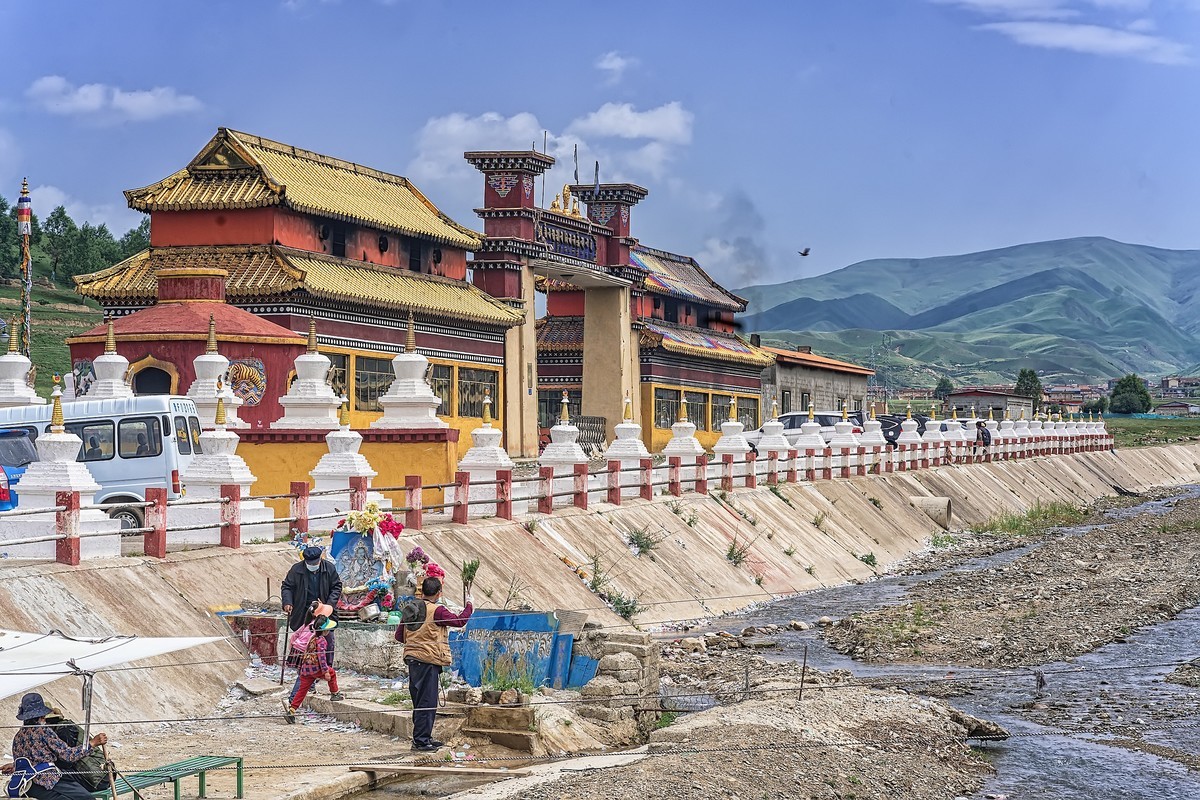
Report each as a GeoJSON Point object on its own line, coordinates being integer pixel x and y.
{"type": "Point", "coordinates": [129, 443]}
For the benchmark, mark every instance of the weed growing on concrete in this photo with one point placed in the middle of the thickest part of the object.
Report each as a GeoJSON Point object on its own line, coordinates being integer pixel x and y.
{"type": "Point", "coordinates": [758, 580]}
{"type": "Point", "coordinates": [394, 699]}
{"type": "Point", "coordinates": [1035, 520]}
{"type": "Point", "coordinates": [676, 507]}
{"type": "Point", "coordinates": [869, 559]}
{"type": "Point", "coordinates": [504, 670]}
{"type": "Point", "coordinates": [819, 520]}
{"type": "Point", "coordinates": [666, 720]}
{"type": "Point", "coordinates": [515, 594]}
{"type": "Point", "coordinates": [789, 551]}
{"type": "Point", "coordinates": [599, 577]}
{"type": "Point", "coordinates": [531, 525]}
{"type": "Point", "coordinates": [777, 490]}
{"type": "Point", "coordinates": [722, 495]}
{"type": "Point", "coordinates": [737, 552]}
{"type": "Point", "coordinates": [875, 502]}
{"type": "Point", "coordinates": [625, 606]}
{"type": "Point", "coordinates": [811, 569]}
{"type": "Point", "coordinates": [643, 541]}
{"type": "Point", "coordinates": [940, 540]}
{"type": "Point", "coordinates": [260, 541]}
{"type": "Point", "coordinates": [688, 515]}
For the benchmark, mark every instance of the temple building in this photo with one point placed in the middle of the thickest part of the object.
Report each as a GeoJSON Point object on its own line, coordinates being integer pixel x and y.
{"type": "Point", "coordinates": [621, 317]}
{"type": "Point", "coordinates": [293, 235]}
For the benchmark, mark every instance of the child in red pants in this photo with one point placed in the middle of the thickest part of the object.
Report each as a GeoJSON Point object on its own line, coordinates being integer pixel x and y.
{"type": "Point", "coordinates": [314, 666]}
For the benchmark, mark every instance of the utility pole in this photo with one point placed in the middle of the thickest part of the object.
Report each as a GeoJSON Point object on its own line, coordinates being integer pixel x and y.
{"type": "Point", "coordinates": [25, 230]}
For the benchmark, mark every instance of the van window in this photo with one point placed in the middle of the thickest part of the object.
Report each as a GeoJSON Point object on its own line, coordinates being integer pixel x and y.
{"type": "Point", "coordinates": [195, 423]}
{"type": "Point", "coordinates": [182, 440]}
{"type": "Point", "coordinates": [33, 432]}
{"type": "Point", "coordinates": [97, 439]}
{"type": "Point", "coordinates": [139, 437]}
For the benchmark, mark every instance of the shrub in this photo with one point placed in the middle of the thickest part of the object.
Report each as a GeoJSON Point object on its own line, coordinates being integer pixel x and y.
{"type": "Point", "coordinates": [737, 553]}
{"type": "Point", "coordinates": [869, 559]}
{"type": "Point", "coordinates": [643, 541]}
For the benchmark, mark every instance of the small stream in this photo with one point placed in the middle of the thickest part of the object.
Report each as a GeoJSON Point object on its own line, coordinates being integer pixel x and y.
{"type": "Point", "coordinates": [1046, 766]}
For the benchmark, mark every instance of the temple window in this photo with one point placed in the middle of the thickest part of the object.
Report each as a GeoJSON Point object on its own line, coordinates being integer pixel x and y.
{"type": "Point", "coordinates": [441, 381]}
{"type": "Point", "coordinates": [666, 407]}
{"type": "Point", "coordinates": [416, 255]}
{"type": "Point", "coordinates": [550, 406]}
{"type": "Point", "coordinates": [805, 401]}
{"type": "Point", "coordinates": [720, 410]}
{"type": "Point", "coordinates": [748, 411]}
{"type": "Point", "coordinates": [785, 401]}
{"type": "Point", "coordinates": [670, 311]}
{"type": "Point", "coordinates": [697, 409]}
{"type": "Point", "coordinates": [337, 372]}
{"type": "Point", "coordinates": [372, 377]}
{"type": "Point", "coordinates": [337, 246]}
{"type": "Point", "coordinates": [471, 386]}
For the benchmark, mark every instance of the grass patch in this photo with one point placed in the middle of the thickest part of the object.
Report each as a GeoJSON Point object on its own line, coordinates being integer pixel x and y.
{"type": "Point", "coordinates": [395, 699]}
{"type": "Point", "coordinates": [1149, 432]}
{"type": "Point", "coordinates": [1035, 520]}
{"type": "Point", "coordinates": [940, 540]}
{"type": "Point", "coordinates": [875, 502]}
{"type": "Point", "coordinates": [666, 720]}
{"type": "Point", "coordinates": [789, 551]}
{"type": "Point", "coordinates": [643, 541]}
{"type": "Point", "coordinates": [819, 520]}
{"type": "Point", "coordinates": [625, 606]}
{"type": "Point", "coordinates": [738, 552]}
{"type": "Point", "coordinates": [777, 490]}
{"type": "Point", "coordinates": [869, 559]}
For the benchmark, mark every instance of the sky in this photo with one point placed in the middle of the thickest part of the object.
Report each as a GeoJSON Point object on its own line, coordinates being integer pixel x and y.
{"type": "Point", "coordinates": [857, 128]}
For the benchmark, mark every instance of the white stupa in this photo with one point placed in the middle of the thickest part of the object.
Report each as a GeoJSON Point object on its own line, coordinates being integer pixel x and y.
{"type": "Point", "coordinates": [732, 442]}
{"type": "Point", "coordinates": [773, 440]}
{"type": "Point", "coordinates": [1007, 435]}
{"type": "Point", "coordinates": [872, 434]}
{"type": "Point", "coordinates": [908, 430]}
{"type": "Point", "coordinates": [14, 374]}
{"type": "Point", "coordinates": [219, 464]}
{"type": "Point", "coordinates": [338, 466]}
{"type": "Point", "coordinates": [56, 470]}
{"type": "Point", "coordinates": [310, 403]}
{"type": "Point", "coordinates": [482, 460]}
{"type": "Point", "coordinates": [110, 368]}
{"type": "Point", "coordinates": [1022, 433]}
{"type": "Point", "coordinates": [210, 385]}
{"type": "Point", "coordinates": [410, 402]}
{"type": "Point", "coordinates": [683, 444]}
{"type": "Point", "coordinates": [563, 453]}
{"type": "Point", "coordinates": [628, 449]}
{"type": "Point", "coordinates": [933, 431]}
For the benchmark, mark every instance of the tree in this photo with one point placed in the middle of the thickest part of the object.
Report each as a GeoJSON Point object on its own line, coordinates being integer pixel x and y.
{"type": "Point", "coordinates": [60, 237]}
{"type": "Point", "coordinates": [944, 388]}
{"type": "Point", "coordinates": [1099, 405]}
{"type": "Point", "coordinates": [1130, 396]}
{"type": "Point", "coordinates": [95, 249]}
{"type": "Point", "coordinates": [1028, 385]}
{"type": "Point", "coordinates": [10, 250]}
{"type": "Point", "coordinates": [136, 239]}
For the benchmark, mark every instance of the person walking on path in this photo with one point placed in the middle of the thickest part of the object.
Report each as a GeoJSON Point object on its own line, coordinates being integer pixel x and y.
{"type": "Point", "coordinates": [983, 440]}
{"type": "Point", "coordinates": [426, 643]}
{"type": "Point", "coordinates": [314, 578]}
{"type": "Point", "coordinates": [314, 666]}
{"type": "Point", "coordinates": [39, 745]}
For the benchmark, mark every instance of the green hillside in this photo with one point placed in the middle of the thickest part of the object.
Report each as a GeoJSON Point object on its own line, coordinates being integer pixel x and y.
{"type": "Point", "coordinates": [1074, 309]}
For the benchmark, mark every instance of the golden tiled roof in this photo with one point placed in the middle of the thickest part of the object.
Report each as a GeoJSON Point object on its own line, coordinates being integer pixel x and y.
{"type": "Point", "coordinates": [239, 170]}
{"type": "Point", "coordinates": [262, 271]}
{"type": "Point", "coordinates": [699, 343]}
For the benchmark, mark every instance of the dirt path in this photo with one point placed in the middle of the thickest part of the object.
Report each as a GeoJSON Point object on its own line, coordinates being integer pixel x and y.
{"type": "Point", "coordinates": [1067, 597]}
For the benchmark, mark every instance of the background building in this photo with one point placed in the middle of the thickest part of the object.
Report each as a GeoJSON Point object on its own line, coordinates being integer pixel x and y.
{"type": "Point", "coordinates": [799, 378]}
{"type": "Point", "coordinates": [984, 400]}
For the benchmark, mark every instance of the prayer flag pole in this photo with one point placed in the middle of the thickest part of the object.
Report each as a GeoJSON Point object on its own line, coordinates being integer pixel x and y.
{"type": "Point", "coordinates": [25, 230]}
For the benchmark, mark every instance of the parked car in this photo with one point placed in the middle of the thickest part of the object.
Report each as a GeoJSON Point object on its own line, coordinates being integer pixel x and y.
{"type": "Point", "coordinates": [830, 418]}
{"type": "Point", "coordinates": [890, 425]}
{"type": "Point", "coordinates": [16, 454]}
{"type": "Point", "coordinates": [794, 419]}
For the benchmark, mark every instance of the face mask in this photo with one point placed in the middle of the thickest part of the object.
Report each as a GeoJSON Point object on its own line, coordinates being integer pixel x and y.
{"type": "Point", "coordinates": [312, 567]}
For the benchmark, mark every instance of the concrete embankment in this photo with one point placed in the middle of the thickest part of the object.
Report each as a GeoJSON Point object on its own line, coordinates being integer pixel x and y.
{"type": "Point", "coordinates": [795, 538]}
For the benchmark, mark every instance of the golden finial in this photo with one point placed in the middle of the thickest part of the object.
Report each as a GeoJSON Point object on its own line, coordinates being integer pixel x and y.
{"type": "Point", "coordinates": [344, 412]}
{"type": "Point", "coordinates": [212, 335]}
{"type": "Point", "coordinates": [909, 410]}
{"type": "Point", "coordinates": [954, 413]}
{"type": "Point", "coordinates": [312, 335]}
{"type": "Point", "coordinates": [487, 407]}
{"type": "Point", "coordinates": [221, 418]}
{"type": "Point", "coordinates": [812, 412]}
{"type": "Point", "coordinates": [1021, 415]}
{"type": "Point", "coordinates": [24, 187]}
{"type": "Point", "coordinates": [556, 203]}
{"type": "Point", "coordinates": [1091, 417]}
{"type": "Point", "coordinates": [974, 412]}
{"type": "Point", "coordinates": [933, 411]}
{"type": "Point", "coordinates": [566, 198]}
{"type": "Point", "coordinates": [628, 407]}
{"type": "Point", "coordinates": [845, 411]}
{"type": "Point", "coordinates": [410, 339]}
{"type": "Point", "coordinates": [56, 416]}
{"type": "Point", "coordinates": [575, 208]}
{"type": "Point", "coordinates": [564, 416]}
{"type": "Point", "coordinates": [872, 411]}
{"type": "Point", "coordinates": [110, 339]}
{"type": "Point", "coordinates": [774, 409]}
{"type": "Point", "coordinates": [13, 335]}
{"type": "Point", "coordinates": [682, 409]}
{"type": "Point", "coordinates": [990, 417]}
{"type": "Point", "coordinates": [1007, 414]}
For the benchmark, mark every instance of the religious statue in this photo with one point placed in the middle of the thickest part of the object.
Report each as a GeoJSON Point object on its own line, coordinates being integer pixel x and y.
{"type": "Point", "coordinates": [556, 204]}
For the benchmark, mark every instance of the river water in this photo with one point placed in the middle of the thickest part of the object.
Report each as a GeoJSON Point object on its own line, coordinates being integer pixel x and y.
{"type": "Point", "coordinates": [1044, 765]}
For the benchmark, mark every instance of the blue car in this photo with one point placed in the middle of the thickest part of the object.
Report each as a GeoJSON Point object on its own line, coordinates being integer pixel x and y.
{"type": "Point", "coordinates": [16, 454]}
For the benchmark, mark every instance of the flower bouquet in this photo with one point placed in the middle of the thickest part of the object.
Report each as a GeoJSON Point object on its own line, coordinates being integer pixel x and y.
{"type": "Point", "coordinates": [384, 529]}
{"type": "Point", "coordinates": [469, 569]}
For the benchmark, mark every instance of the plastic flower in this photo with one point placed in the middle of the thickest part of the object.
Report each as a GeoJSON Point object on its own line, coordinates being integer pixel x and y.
{"type": "Point", "coordinates": [432, 570]}
{"type": "Point", "coordinates": [416, 556]}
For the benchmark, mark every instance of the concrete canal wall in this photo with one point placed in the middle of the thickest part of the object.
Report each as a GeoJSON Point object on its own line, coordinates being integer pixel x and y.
{"type": "Point", "coordinates": [796, 537]}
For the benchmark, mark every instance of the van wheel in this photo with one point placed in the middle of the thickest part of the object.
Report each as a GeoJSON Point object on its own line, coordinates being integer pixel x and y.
{"type": "Point", "coordinates": [128, 517]}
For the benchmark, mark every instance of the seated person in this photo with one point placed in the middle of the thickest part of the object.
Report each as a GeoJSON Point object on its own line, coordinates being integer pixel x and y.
{"type": "Point", "coordinates": [93, 449]}
{"type": "Point", "coordinates": [143, 447]}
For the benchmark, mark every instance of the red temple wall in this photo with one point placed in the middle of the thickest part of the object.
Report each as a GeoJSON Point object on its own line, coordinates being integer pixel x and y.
{"type": "Point", "coordinates": [238, 226]}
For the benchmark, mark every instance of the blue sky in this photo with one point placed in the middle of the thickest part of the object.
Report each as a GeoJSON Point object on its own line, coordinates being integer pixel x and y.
{"type": "Point", "coordinates": [859, 128]}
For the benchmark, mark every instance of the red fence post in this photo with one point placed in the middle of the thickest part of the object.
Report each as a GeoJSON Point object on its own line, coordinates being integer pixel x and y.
{"type": "Point", "coordinates": [810, 465]}
{"type": "Point", "coordinates": [546, 490]}
{"type": "Point", "coordinates": [903, 448]}
{"type": "Point", "coordinates": [504, 493]}
{"type": "Point", "coordinates": [154, 542]}
{"type": "Point", "coordinates": [751, 464]}
{"type": "Point", "coordinates": [862, 460]}
{"type": "Point", "coordinates": [414, 501]}
{"type": "Point", "coordinates": [727, 472]}
{"type": "Point", "coordinates": [581, 485]}
{"type": "Point", "coordinates": [358, 493]}
{"type": "Point", "coordinates": [673, 469]}
{"type": "Point", "coordinates": [772, 467]}
{"type": "Point", "coordinates": [702, 474]}
{"type": "Point", "coordinates": [66, 524]}
{"type": "Point", "coordinates": [827, 467]}
{"type": "Point", "coordinates": [462, 493]}
{"type": "Point", "coordinates": [646, 478]}
{"type": "Point", "coordinates": [845, 462]}
{"type": "Point", "coordinates": [614, 482]}
{"type": "Point", "coordinates": [299, 503]}
{"type": "Point", "coordinates": [887, 454]}
{"type": "Point", "coordinates": [791, 466]}
{"type": "Point", "coordinates": [231, 515]}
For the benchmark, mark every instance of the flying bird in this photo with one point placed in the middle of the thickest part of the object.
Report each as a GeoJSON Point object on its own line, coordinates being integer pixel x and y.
{"type": "Point", "coordinates": [805, 251]}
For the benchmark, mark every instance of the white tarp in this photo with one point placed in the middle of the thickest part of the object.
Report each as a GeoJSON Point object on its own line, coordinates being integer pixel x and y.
{"type": "Point", "coordinates": [28, 660]}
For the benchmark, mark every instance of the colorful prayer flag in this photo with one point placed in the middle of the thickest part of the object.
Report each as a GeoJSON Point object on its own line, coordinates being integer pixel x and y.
{"type": "Point", "coordinates": [24, 211]}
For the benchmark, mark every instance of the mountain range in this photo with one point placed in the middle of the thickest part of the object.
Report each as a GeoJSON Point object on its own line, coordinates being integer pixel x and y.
{"type": "Point", "coordinates": [1075, 310]}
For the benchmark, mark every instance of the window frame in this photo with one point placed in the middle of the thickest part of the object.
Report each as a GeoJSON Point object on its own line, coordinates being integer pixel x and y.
{"type": "Point", "coordinates": [81, 427]}
{"type": "Point", "coordinates": [184, 438]}
{"type": "Point", "coordinates": [368, 392]}
{"type": "Point", "coordinates": [668, 411]}
{"type": "Point", "coordinates": [467, 399]}
{"type": "Point", "coordinates": [156, 425]}
{"type": "Point", "coordinates": [699, 420]}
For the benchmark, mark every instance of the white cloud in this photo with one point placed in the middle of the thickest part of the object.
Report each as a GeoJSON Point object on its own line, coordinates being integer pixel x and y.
{"type": "Point", "coordinates": [57, 95]}
{"type": "Point", "coordinates": [1017, 9]}
{"type": "Point", "coordinates": [1143, 25]}
{"type": "Point", "coordinates": [615, 65]}
{"type": "Point", "coordinates": [1094, 40]}
{"type": "Point", "coordinates": [443, 140]}
{"type": "Point", "coordinates": [118, 218]}
{"type": "Point", "coordinates": [10, 156]}
{"type": "Point", "coordinates": [670, 123]}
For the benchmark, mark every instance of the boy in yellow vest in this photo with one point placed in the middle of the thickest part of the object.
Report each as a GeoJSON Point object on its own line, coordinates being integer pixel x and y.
{"type": "Point", "coordinates": [426, 651]}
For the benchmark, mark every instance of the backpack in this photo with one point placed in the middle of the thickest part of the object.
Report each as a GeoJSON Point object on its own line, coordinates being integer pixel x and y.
{"type": "Point", "coordinates": [92, 769]}
{"type": "Point", "coordinates": [24, 771]}
{"type": "Point", "coordinates": [987, 437]}
{"type": "Point", "coordinates": [301, 638]}
{"type": "Point", "coordinates": [412, 614]}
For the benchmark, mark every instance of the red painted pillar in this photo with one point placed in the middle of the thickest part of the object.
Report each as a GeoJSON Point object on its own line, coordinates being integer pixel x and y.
{"type": "Point", "coordinates": [231, 515]}
{"type": "Point", "coordinates": [924, 455]}
{"type": "Point", "coordinates": [614, 482]}
{"type": "Point", "coordinates": [581, 486]}
{"type": "Point", "coordinates": [845, 462]}
{"type": "Point", "coordinates": [546, 490]}
{"type": "Point", "coordinates": [903, 447]}
{"type": "Point", "coordinates": [504, 492]}
{"type": "Point", "coordinates": [862, 460]}
{"type": "Point", "coordinates": [462, 493]}
{"type": "Point", "coordinates": [891, 462]}
{"type": "Point", "coordinates": [702, 474]}
{"type": "Point", "coordinates": [810, 469]}
{"type": "Point", "coordinates": [792, 477]}
{"type": "Point", "coordinates": [154, 542]}
{"type": "Point", "coordinates": [751, 463]}
{"type": "Point", "coordinates": [772, 467]}
{"type": "Point", "coordinates": [727, 472]}
{"type": "Point", "coordinates": [358, 493]}
{"type": "Point", "coordinates": [66, 524]}
{"type": "Point", "coordinates": [646, 478]}
{"type": "Point", "coordinates": [414, 501]}
{"type": "Point", "coordinates": [674, 464]}
{"type": "Point", "coordinates": [299, 503]}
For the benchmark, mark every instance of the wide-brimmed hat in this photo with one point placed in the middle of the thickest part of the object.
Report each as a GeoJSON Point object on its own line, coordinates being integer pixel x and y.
{"type": "Point", "coordinates": [327, 625]}
{"type": "Point", "coordinates": [33, 707]}
{"type": "Point", "coordinates": [312, 553]}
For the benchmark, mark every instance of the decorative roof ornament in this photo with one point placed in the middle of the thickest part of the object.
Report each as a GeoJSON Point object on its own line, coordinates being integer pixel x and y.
{"type": "Point", "coordinates": [410, 338]}
{"type": "Point", "coordinates": [56, 415]}
{"type": "Point", "coordinates": [344, 412]}
{"type": "Point", "coordinates": [110, 339]}
{"type": "Point", "coordinates": [487, 408]}
{"type": "Point", "coordinates": [564, 415]}
{"type": "Point", "coordinates": [628, 408]}
{"type": "Point", "coordinates": [556, 204]}
{"type": "Point", "coordinates": [212, 335]}
{"type": "Point", "coordinates": [683, 417]}
{"type": "Point", "coordinates": [221, 418]}
{"type": "Point", "coordinates": [908, 410]}
{"type": "Point", "coordinates": [13, 335]}
{"type": "Point", "coordinates": [312, 335]}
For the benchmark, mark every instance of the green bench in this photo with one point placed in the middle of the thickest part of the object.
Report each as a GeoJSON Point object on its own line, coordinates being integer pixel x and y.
{"type": "Point", "coordinates": [173, 773]}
